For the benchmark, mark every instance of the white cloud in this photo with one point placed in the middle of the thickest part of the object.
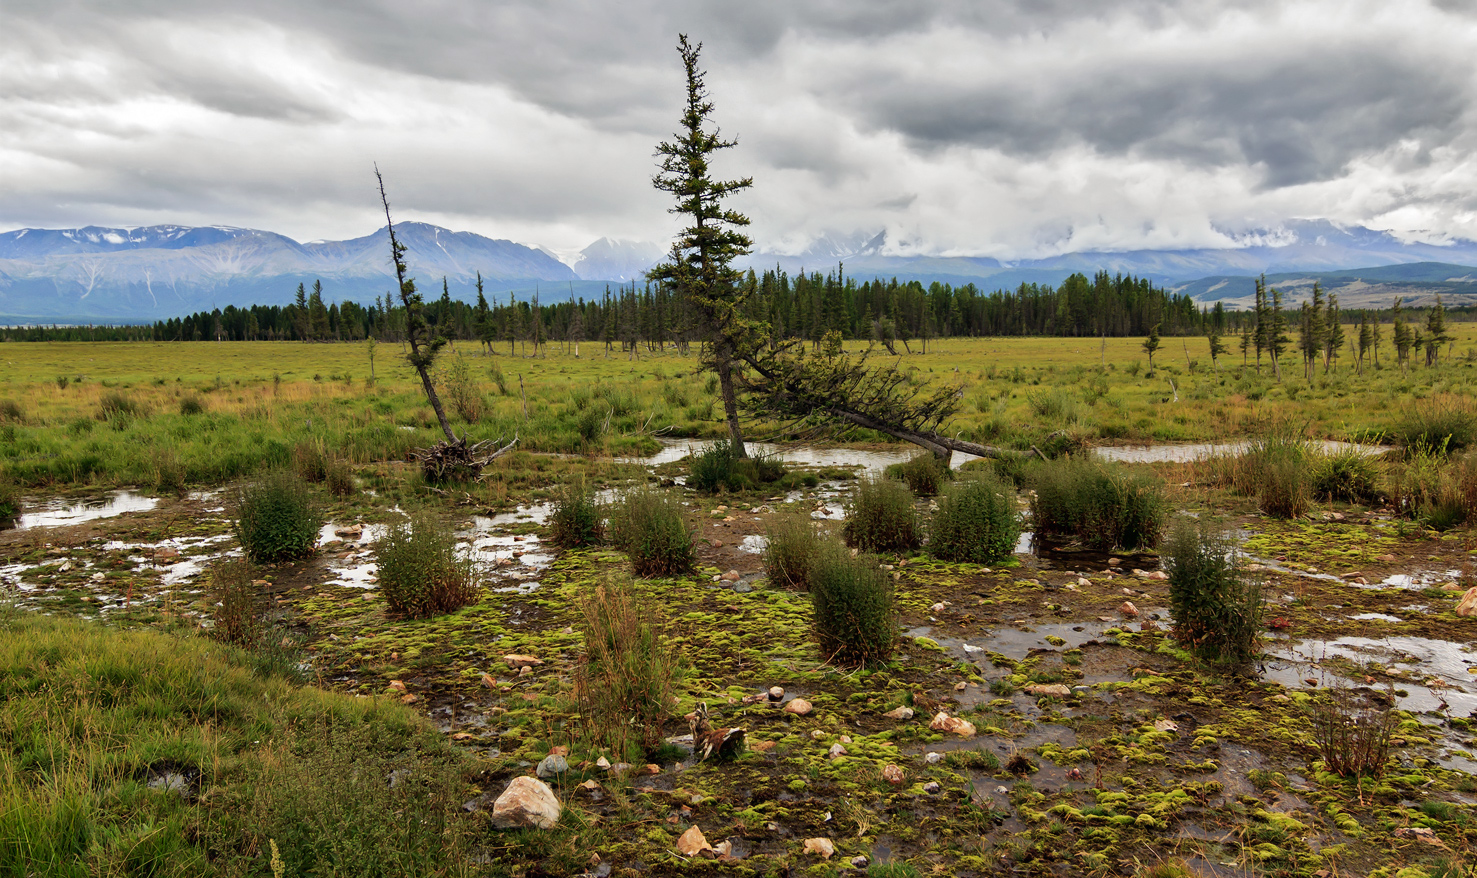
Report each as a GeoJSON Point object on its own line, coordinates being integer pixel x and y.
{"type": "Point", "coordinates": [1001, 128]}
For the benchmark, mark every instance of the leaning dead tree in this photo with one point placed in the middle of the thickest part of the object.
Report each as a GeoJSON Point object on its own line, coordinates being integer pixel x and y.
{"type": "Point", "coordinates": [829, 390]}
{"type": "Point", "coordinates": [452, 459]}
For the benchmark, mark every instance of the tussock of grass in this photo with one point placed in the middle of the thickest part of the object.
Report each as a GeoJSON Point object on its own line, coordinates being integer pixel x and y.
{"type": "Point", "coordinates": [1101, 506]}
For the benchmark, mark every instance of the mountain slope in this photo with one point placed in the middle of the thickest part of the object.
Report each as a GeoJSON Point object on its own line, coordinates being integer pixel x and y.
{"type": "Point", "coordinates": [163, 271]}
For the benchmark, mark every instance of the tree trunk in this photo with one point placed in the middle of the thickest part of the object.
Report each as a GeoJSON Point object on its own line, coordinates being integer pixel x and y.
{"type": "Point", "coordinates": [941, 447]}
{"type": "Point", "coordinates": [730, 406]}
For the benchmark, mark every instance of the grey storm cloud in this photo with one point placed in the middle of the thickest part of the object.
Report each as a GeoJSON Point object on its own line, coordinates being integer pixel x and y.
{"type": "Point", "coordinates": [985, 126]}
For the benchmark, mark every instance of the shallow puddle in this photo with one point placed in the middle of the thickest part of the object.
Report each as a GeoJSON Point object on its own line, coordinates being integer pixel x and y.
{"type": "Point", "coordinates": [61, 514]}
{"type": "Point", "coordinates": [1189, 452]}
{"type": "Point", "coordinates": [1441, 666]}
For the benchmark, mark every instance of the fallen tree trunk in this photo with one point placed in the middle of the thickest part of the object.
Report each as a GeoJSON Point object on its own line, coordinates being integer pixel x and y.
{"type": "Point", "coordinates": [940, 446]}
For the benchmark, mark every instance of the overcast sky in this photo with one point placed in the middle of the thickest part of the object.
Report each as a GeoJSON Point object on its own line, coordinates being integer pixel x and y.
{"type": "Point", "coordinates": [998, 127]}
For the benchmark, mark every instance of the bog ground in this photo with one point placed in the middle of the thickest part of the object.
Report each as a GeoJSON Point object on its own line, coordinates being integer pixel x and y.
{"type": "Point", "coordinates": [364, 742]}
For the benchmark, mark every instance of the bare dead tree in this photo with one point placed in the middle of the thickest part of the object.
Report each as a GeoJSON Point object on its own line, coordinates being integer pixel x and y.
{"type": "Point", "coordinates": [452, 459]}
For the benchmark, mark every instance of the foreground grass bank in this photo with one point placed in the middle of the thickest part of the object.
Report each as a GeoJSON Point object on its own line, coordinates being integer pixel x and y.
{"type": "Point", "coordinates": [145, 753]}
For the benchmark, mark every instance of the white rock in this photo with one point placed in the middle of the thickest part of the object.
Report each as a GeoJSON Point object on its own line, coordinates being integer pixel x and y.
{"type": "Point", "coordinates": [933, 758]}
{"type": "Point", "coordinates": [823, 846]}
{"type": "Point", "coordinates": [526, 802]}
{"type": "Point", "coordinates": [899, 713]}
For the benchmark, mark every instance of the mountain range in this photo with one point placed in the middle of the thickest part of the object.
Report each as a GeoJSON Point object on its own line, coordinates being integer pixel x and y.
{"type": "Point", "coordinates": [99, 274]}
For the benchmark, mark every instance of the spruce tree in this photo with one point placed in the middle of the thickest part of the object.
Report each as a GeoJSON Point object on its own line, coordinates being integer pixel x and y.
{"type": "Point", "coordinates": [700, 264]}
{"type": "Point", "coordinates": [1436, 334]}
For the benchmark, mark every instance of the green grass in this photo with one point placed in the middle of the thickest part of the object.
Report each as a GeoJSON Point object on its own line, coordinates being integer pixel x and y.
{"type": "Point", "coordinates": [90, 716]}
{"type": "Point", "coordinates": [259, 400]}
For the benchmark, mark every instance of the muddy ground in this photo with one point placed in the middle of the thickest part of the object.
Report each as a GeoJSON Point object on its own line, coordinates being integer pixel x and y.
{"type": "Point", "coordinates": [1100, 746]}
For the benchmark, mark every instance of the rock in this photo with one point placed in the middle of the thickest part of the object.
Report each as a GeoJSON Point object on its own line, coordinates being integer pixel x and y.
{"type": "Point", "coordinates": [742, 587]}
{"type": "Point", "coordinates": [1388, 559]}
{"type": "Point", "coordinates": [692, 842]}
{"type": "Point", "coordinates": [1055, 690]}
{"type": "Point", "coordinates": [817, 735]}
{"type": "Point", "coordinates": [731, 576]}
{"type": "Point", "coordinates": [352, 532]}
{"type": "Point", "coordinates": [525, 671]}
{"type": "Point", "coordinates": [1115, 562]}
{"type": "Point", "coordinates": [724, 849]}
{"type": "Point", "coordinates": [408, 699]}
{"type": "Point", "coordinates": [859, 862]}
{"type": "Point", "coordinates": [823, 846]}
{"type": "Point", "coordinates": [521, 661]}
{"type": "Point", "coordinates": [846, 739]}
{"type": "Point", "coordinates": [527, 802]}
{"type": "Point", "coordinates": [952, 724]}
{"type": "Point", "coordinates": [397, 685]}
{"type": "Point", "coordinates": [762, 746]}
{"type": "Point", "coordinates": [1166, 725]}
{"type": "Point", "coordinates": [1157, 574]}
{"type": "Point", "coordinates": [901, 713]}
{"type": "Point", "coordinates": [602, 763]}
{"type": "Point", "coordinates": [621, 768]}
{"type": "Point", "coordinates": [489, 681]}
{"type": "Point", "coordinates": [551, 765]}
{"type": "Point", "coordinates": [653, 768]}
{"type": "Point", "coordinates": [933, 758]}
{"type": "Point", "coordinates": [463, 736]}
{"type": "Point", "coordinates": [938, 608]}
{"type": "Point", "coordinates": [892, 774]}
{"type": "Point", "coordinates": [776, 693]}
{"type": "Point", "coordinates": [98, 577]}
{"type": "Point", "coordinates": [1128, 609]}
{"type": "Point", "coordinates": [960, 686]}
{"type": "Point", "coordinates": [799, 707]}
{"type": "Point", "coordinates": [590, 785]}
{"type": "Point", "coordinates": [837, 750]}
{"type": "Point", "coordinates": [932, 788]}
{"type": "Point", "coordinates": [1468, 604]}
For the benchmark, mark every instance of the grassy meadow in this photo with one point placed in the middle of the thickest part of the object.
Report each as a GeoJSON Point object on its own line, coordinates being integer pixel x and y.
{"type": "Point", "coordinates": [114, 414]}
{"type": "Point", "coordinates": [340, 735]}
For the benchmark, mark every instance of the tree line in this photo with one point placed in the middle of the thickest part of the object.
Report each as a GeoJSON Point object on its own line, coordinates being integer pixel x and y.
{"type": "Point", "coordinates": [902, 315]}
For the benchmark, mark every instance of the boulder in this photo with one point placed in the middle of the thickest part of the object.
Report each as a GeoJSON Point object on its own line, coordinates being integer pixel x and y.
{"type": "Point", "coordinates": [823, 846]}
{"type": "Point", "coordinates": [1468, 604]}
{"type": "Point", "coordinates": [799, 707]}
{"type": "Point", "coordinates": [527, 802]}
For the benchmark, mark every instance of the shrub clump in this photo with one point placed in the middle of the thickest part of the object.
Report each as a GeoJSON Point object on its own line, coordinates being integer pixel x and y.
{"type": "Point", "coordinates": [1353, 738]}
{"type": "Point", "coordinates": [1347, 476]}
{"type": "Point", "coordinates": [882, 518]}
{"type": "Point", "coordinates": [626, 679]}
{"type": "Point", "coordinates": [789, 551]}
{"type": "Point", "coordinates": [1217, 612]}
{"type": "Point", "coordinates": [1436, 490]}
{"type": "Point", "coordinates": [10, 410]}
{"type": "Point", "coordinates": [10, 500]}
{"type": "Point", "coordinates": [116, 407]}
{"type": "Point", "coordinates": [169, 473]}
{"type": "Point", "coordinates": [715, 467]}
{"type": "Point", "coordinates": [975, 522]}
{"type": "Point", "coordinates": [851, 599]}
{"type": "Point", "coordinates": [191, 405]}
{"type": "Point", "coordinates": [924, 474]}
{"type": "Point", "coordinates": [1101, 506]}
{"type": "Point", "coordinates": [237, 611]}
{"type": "Point", "coordinates": [276, 519]}
{"type": "Point", "coordinates": [420, 572]}
{"type": "Point", "coordinates": [310, 461]}
{"type": "Point", "coordinates": [648, 526]}
{"type": "Point", "coordinates": [338, 478]}
{"type": "Point", "coordinates": [577, 520]}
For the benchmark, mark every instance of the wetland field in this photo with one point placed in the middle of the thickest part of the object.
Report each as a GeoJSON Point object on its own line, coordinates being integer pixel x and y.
{"type": "Point", "coordinates": [1079, 736]}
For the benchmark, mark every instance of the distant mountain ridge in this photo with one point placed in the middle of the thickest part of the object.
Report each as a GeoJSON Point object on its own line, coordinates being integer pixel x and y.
{"type": "Point", "coordinates": [147, 273]}
{"type": "Point", "coordinates": [103, 274]}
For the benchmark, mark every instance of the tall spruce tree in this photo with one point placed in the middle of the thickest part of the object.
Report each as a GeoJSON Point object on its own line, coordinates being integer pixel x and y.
{"type": "Point", "coordinates": [700, 264]}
